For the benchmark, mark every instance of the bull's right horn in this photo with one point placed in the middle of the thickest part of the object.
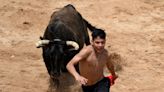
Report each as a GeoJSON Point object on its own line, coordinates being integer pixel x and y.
{"type": "Point", "coordinates": [74, 44]}
{"type": "Point", "coordinates": [41, 43]}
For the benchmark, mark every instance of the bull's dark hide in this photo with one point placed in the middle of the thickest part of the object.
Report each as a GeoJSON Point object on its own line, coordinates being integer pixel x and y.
{"type": "Point", "coordinates": [66, 24]}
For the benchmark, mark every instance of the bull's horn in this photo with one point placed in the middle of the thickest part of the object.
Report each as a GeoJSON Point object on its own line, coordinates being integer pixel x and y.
{"type": "Point", "coordinates": [74, 44]}
{"type": "Point", "coordinates": [41, 43]}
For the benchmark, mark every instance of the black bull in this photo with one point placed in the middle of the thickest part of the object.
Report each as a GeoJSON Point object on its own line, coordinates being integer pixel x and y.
{"type": "Point", "coordinates": [64, 37]}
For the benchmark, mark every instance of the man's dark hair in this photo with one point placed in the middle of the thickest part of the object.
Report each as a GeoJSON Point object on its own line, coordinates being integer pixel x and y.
{"type": "Point", "coordinates": [98, 33]}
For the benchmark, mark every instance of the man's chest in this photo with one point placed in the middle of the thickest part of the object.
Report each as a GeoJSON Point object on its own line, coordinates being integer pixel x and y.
{"type": "Point", "coordinates": [96, 61]}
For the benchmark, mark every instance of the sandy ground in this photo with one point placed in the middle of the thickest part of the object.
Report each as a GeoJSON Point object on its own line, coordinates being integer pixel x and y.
{"type": "Point", "coordinates": [135, 30]}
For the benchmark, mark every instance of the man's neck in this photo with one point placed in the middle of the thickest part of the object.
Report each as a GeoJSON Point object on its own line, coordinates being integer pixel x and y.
{"type": "Point", "coordinates": [98, 53]}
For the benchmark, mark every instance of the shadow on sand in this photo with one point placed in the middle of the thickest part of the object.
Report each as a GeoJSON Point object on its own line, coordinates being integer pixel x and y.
{"type": "Point", "coordinates": [66, 84]}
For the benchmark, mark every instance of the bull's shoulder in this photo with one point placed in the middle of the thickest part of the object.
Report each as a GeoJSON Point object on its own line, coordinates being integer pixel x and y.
{"type": "Point", "coordinates": [68, 10]}
{"type": "Point", "coordinates": [70, 6]}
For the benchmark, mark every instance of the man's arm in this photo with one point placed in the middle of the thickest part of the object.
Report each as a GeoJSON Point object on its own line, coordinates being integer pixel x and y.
{"type": "Point", "coordinates": [77, 58]}
{"type": "Point", "coordinates": [110, 67]}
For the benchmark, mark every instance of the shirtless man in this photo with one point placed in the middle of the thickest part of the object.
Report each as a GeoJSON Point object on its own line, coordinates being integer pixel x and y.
{"type": "Point", "coordinates": [92, 60]}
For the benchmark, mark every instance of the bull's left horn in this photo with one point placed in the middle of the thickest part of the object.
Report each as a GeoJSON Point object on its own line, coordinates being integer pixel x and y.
{"type": "Point", "coordinates": [41, 43]}
{"type": "Point", "coordinates": [74, 44]}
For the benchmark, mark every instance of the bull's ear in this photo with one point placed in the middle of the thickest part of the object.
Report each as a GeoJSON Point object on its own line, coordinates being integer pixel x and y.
{"type": "Point", "coordinates": [41, 38]}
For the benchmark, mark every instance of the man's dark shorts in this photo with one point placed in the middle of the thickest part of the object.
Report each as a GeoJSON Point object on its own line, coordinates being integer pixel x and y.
{"type": "Point", "coordinates": [101, 86]}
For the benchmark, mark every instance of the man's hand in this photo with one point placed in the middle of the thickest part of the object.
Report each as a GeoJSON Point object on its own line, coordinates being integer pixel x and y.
{"type": "Point", "coordinates": [81, 80]}
{"type": "Point", "coordinates": [112, 79]}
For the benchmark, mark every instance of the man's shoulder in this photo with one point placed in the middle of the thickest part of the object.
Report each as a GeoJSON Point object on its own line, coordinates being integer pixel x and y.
{"type": "Point", "coordinates": [88, 48]}
{"type": "Point", "coordinates": [85, 52]}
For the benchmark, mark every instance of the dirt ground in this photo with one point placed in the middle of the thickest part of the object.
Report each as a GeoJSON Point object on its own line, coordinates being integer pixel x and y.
{"type": "Point", "coordinates": [135, 32]}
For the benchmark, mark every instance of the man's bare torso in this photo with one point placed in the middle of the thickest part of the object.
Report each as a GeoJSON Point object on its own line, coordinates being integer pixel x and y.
{"type": "Point", "coordinates": [92, 67]}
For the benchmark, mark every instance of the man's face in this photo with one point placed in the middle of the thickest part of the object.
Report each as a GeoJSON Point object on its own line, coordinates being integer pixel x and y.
{"type": "Point", "coordinates": [98, 44]}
